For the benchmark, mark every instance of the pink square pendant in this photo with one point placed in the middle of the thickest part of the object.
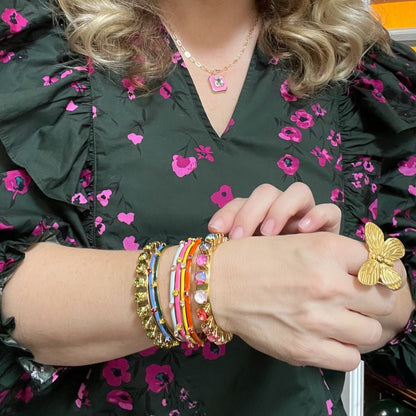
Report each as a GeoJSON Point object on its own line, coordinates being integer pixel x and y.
{"type": "Point", "coordinates": [217, 82]}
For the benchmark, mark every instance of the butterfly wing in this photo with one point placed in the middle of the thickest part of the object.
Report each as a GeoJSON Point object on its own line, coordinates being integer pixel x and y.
{"type": "Point", "coordinates": [393, 249]}
{"type": "Point", "coordinates": [390, 277]}
{"type": "Point", "coordinates": [369, 272]}
{"type": "Point", "coordinates": [374, 238]}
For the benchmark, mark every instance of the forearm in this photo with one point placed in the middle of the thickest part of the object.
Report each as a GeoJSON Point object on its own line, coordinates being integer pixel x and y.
{"type": "Point", "coordinates": [75, 306]}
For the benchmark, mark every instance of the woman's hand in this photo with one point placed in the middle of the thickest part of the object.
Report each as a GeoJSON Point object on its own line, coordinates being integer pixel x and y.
{"type": "Point", "coordinates": [297, 298]}
{"type": "Point", "coordinates": [269, 211]}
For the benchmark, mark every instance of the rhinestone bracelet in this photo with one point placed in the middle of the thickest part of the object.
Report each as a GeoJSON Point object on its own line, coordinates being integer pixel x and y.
{"type": "Point", "coordinates": [209, 326]}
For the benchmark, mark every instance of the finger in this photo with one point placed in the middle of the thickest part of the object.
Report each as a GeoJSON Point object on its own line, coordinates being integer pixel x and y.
{"type": "Point", "coordinates": [222, 221]}
{"type": "Point", "coordinates": [253, 212]}
{"type": "Point", "coordinates": [324, 353]}
{"type": "Point", "coordinates": [334, 355]}
{"type": "Point", "coordinates": [350, 327]}
{"type": "Point", "coordinates": [287, 210]}
{"type": "Point", "coordinates": [323, 217]}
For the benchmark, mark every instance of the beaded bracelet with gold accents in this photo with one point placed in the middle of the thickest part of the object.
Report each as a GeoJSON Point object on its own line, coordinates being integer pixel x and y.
{"type": "Point", "coordinates": [141, 296]}
{"type": "Point", "coordinates": [187, 290]}
{"type": "Point", "coordinates": [154, 298]}
{"type": "Point", "coordinates": [209, 326]}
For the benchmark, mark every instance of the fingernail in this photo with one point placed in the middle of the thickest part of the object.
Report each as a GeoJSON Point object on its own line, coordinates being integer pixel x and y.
{"type": "Point", "coordinates": [305, 223]}
{"type": "Point", "coordinates": [216, 224]}
{"type": "Point", "coordinates": [268, 227]}
{"type": "Point", "coordinates": [236, 233]}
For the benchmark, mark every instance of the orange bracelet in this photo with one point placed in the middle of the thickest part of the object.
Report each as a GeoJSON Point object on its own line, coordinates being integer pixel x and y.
{"type": "Point", "coordinates": [187, 290]}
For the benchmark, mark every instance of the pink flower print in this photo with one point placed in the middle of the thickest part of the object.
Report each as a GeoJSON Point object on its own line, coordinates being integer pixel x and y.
{"type": "Point", "coordinates": [322, 155]}
{"type": "Point", "coordinates": [5, 226]}
{"type": "Point", "coordinates": [373, 188]}
{"type": "Point", "coordinates": [223, 196]}
{"type": "Point", "coordinates": [3, 395]}
{"type": "Point", "coordinates": [5, 264]}
{"type": "Point", "coordinates": [47, 81]}
{"type": "Point", "coordinates": [17, 181]}
{"type": "Point", "coordinates": [285, 92]}
{"type": "Point", "coordinates": [165, 90]}
{"type": "Point", "coordinates": [82, 399]}
{"type": "Point", "coordinates": [338, 164]}
{"type": "Point", "coordinates": [176, 57]}
{"type": "Point", "coordinates": [183, 166]}
{"type": "Point", "coordinates": [158, 377]}
{"type": "Point", "coordinates": [71, 106]}
{"type": "Point", "coordinates": [94, 111]}
{"type": "Point", "coordinates": [229, 125]}
{"type": "Point", "coordinates": [274, 60]}
{"type": "Point", "coordinates": [188, 349]}
{"type": "Point", "coordinates": [318, 110]}
{"type": "Point", "coordinates": [148, 351]}
{"type": "Point", "coordinates": [204, 152]}
{"type": "Point", "coordinates": [303, 119]}
{"type": "Point", "coordinates": [135, 138]}
{"type": "Point", "coordinates": [408, 167]}
{"type": "Point", "coordinates": [184, 394]}
{"type": "Point", "coordinates": [85, 178]}
{"type": "Point", "coordinates": [104, 196]}
{"type": "Point", "coordinates": [377, 86]}
{"type": "Point", "coordinates": [99, 225]}
{"type": "Point", "coordinates": [406, 90]}
{"type": "Point", "coordinates": [329, 406]}
{"type": "Point", "coordinates": [291, 134]}
{"type": "Point", "coordinates": [367, 164]}
{"type": "Point", "coordinates": [337, 195]}
{"type": "Point", "coordinates": [175, 412]}
{"type": "Point", "coordinates": [71, 241]}
{"type": "Point", "coordinates": [79, 198]}
{"type": "Point", "coordinates": [126, 218]}
{"type": "Point", "coordinates": [373, 209]}
{"type": "Point", "coordinates": [360, 232]}
{"type": "Point", "coordinates": [289, 164]}
{"type": "Point", "coordinates": [117, 372]}
{"type": "Point", "coordinates": [120, 398]}
{"type": "Point", "coordinates": [78, 87]}
{"type": "Point", "coordinates": [14, 19]}
{"type": "Point", "coordinates": [131, 86]}
{"type": "Point", "coordinates": [212, 351]}
{"type": "Point", "coordinates": [40, 228]}
{"type": "Point", "coordinates": [129, 243]}
{"type": "Point", "coordinates": [334, 138]}
{"type": "Point", "coordinates": [5, 56]}
{"type": "Point", "coordinates": [394, 219]}
{"type": "Point", "coordinates": [412, 190]}
{"type": "Point", "coordinates": [66, 73]}
{"type": "Point", "coordinates": [25, 394]}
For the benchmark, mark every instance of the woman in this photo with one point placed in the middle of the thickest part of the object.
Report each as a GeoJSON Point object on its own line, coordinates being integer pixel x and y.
{"type": "Point", "coordinates": [180, 107]}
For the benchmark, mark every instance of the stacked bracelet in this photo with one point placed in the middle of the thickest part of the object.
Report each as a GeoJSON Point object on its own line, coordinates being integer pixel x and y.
{"type": "Point", "coordinates": [209, 326]}
{"type": "Point", "coordinates": [147, 296]}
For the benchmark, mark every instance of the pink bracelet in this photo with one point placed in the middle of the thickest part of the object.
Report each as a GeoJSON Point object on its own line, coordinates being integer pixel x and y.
{"type": "Point", "coordinates": [181, 262]}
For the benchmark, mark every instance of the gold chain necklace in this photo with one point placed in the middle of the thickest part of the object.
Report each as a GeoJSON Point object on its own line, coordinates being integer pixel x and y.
{"type": "Point", "coordinates": [216, 79]}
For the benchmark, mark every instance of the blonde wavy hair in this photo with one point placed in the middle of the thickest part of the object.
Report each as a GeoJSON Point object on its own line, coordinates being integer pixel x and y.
{"type": "Point", "coordinates": [321, 40]}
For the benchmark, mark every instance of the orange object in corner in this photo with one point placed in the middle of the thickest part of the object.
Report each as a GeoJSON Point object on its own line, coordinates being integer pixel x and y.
{"type": "Point", "coordinates": [396, 14]}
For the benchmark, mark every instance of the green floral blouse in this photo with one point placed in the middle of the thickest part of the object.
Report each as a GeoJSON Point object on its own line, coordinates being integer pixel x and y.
{"type": "Point", "coordinates": [87, 162]}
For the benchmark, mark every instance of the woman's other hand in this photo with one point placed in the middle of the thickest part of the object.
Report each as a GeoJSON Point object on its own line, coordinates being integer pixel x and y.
{"type": "Point", "coordinates": [269, 211]}
{"type": "Point", "coordinates": [297, 298]}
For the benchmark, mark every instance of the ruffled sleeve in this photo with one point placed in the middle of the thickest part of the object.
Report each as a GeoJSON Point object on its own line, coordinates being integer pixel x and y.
{"type": "Point", "coordinates": [383, 171]}
{"type": "Point", "coordinates": [45, 158]}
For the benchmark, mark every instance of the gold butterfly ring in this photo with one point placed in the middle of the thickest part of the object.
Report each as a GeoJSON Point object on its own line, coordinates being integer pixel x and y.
{"type": "Point", "coordinates": [382, 254]}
